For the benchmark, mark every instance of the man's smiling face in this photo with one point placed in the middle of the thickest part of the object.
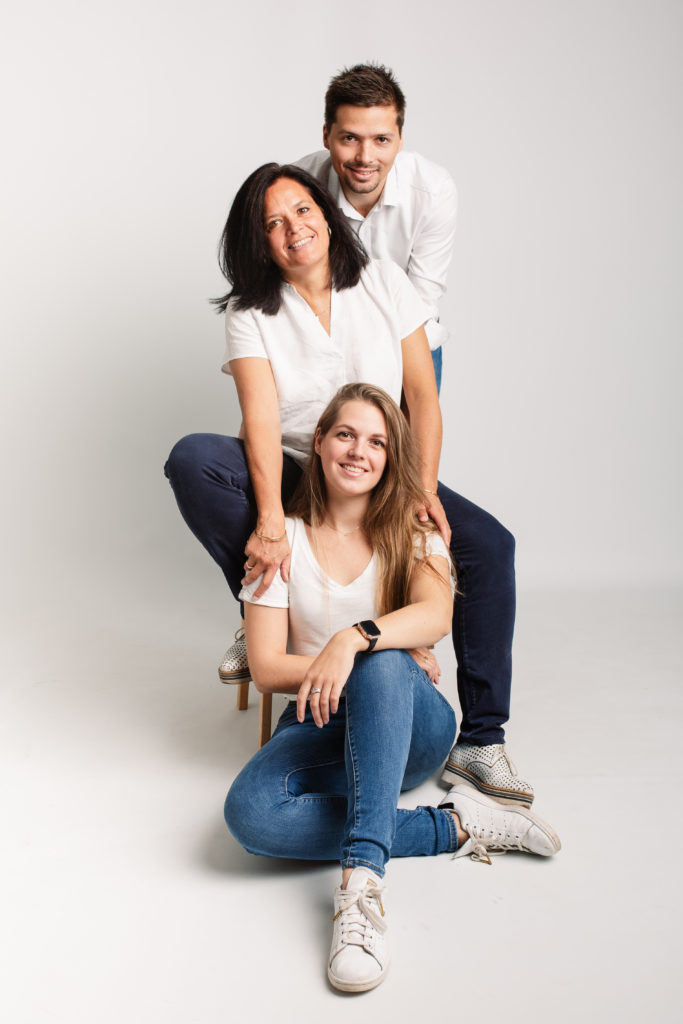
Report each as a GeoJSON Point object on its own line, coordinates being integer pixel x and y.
{"type": "Point", "coordinates": [363, 143]}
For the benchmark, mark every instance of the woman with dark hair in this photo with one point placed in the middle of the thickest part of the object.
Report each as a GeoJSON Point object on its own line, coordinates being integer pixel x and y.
{"type": "Point", "coordinates": [367, 582]}
{"type": "Point", "coordinates": [244, 254]}
{"type": "Point", "coordinates": [308, 312]}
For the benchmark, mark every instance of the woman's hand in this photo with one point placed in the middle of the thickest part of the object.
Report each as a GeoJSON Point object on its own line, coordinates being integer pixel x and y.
{"type": "Point", "coordinates": [424, 657]}
{"type": "Point", "coordinates": [326, 677]}
{"type": "Point", "coordinates": [433, 509]}
{"type": "Point", "coordinates": [266, 557]}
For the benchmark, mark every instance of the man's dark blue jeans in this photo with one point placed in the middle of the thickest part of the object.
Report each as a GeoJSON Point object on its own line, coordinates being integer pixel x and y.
{"type": "Point", "coordinates": [209, 476]}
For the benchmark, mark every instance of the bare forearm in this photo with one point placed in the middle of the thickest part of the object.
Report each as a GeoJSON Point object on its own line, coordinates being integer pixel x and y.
{"type": "Point", "coordinates": [262, 438]}
{"type": "Point", "coordinates": [263, 447]}
{"type": "Point", "coordinates": [416, 625]}
{"type": "Point", "coordinates": [422, 401]}
{"type": "Point", "coordinates": [277, 673]}
{"type": "Point", "coordinates": [267, 549]}
{"type": "Point", "coordinates": [425, 421]}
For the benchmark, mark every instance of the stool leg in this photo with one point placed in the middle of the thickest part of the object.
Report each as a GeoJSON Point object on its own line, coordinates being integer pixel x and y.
{"type": "Point", "coordinates": [264, 718]}
{"type": "Point", "coordinates": [243, 696]}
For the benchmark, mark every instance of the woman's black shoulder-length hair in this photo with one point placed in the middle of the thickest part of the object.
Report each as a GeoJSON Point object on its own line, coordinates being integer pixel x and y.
{"type": "Point", "coordinates": [243, 254]}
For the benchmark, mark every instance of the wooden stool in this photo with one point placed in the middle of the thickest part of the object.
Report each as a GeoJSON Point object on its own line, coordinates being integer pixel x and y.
{"type": "Point", "coordinates": [264, 712]}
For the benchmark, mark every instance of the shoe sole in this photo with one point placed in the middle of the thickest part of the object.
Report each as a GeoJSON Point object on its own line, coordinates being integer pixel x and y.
{"type": "Point", "coordinates": [356, 986]}
{"type": "Point", "coordinates": [452, 773]}
{"type": "Point", "coordinates": [234, 677]}
{"type": "Point", "coordinates": [539, 823]}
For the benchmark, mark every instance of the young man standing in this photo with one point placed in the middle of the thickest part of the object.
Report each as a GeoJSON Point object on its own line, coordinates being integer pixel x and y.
{"type": "Point", "coordinates": [401, 205]}
{"type": "Point", "coordinates": [403, 208]}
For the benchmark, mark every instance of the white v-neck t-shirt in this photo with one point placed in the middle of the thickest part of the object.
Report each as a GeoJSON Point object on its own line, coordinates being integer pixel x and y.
{"type": "Point", "coordinates": [319, 607]}
{"type": "Point", "coordinates": [367, 326]}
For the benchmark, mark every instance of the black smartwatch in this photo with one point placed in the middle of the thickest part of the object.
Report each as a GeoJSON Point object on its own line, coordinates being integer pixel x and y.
{"type": "Point", "coordinates": [369, 630]}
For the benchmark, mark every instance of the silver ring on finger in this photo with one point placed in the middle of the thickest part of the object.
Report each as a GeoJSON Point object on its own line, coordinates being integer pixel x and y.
{"type": "Point", "coordinates": [248, 567]}
{"type": "Point", "coordinates": [316, 690]}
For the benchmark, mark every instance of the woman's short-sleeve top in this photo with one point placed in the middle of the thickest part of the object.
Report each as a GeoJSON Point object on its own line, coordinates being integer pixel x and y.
{"type": "Point", "coordinates": [319, 607]}
{"type": "Point", "coordinates": [367, 324]}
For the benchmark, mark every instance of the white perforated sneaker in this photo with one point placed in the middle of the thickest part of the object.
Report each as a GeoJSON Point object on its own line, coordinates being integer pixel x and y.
{"type": "Point", "coordinates": [494, 827]}
{"type": "Point", "coordinates": [234, 667]}
{"type": "Point", "coordinates": [491, 770]}
{"type": "Point", "coordinates": [359, 956]}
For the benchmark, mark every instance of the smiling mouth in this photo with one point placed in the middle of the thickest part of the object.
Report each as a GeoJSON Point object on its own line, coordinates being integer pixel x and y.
{"type": "Point", "coordinates": [354, 470]}
{"type": "Point", "coordinates": [362, 172]}
{"type": "Point", "coordinates": [301, 242]}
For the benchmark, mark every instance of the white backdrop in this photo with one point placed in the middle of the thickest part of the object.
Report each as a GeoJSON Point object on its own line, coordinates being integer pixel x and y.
{"type": "Point", "coordinates": [128, 128]}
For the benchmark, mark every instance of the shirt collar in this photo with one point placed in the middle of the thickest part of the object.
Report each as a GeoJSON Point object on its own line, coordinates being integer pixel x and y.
{"type": "Point", "coordinates": [390, 196]}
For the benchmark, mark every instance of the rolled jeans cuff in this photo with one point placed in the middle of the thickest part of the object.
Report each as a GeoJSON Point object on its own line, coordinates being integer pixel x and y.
{"type": "Point", "coordinates": [446, 831]}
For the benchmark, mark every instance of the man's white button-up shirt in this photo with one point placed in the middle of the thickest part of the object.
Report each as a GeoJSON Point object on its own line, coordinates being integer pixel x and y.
{"type": "Point", "coordinates": [412, 223]}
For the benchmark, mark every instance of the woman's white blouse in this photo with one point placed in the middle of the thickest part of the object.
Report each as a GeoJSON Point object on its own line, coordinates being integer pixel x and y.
{"type": "Point", "coordinates": [319, 607]}
{"type": "Point", "coordinates": [367, 326]}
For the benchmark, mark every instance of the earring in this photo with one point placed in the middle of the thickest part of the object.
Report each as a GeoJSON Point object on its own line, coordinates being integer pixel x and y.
{"type": "Point", "coordinates": [329, 230]}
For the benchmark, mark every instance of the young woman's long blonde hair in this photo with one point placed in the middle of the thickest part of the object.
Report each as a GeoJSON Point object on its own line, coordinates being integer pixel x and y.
{"type": "Point", "coordinates": [394, 532]}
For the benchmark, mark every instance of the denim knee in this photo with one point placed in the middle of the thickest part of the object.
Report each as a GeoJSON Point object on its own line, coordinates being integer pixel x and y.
{"type": "Point", "coordinates": [380, 668]}
{"type": "Point", "coordinates": [392, 661]}
{"type": "Point", "coordinates": [247, 811]}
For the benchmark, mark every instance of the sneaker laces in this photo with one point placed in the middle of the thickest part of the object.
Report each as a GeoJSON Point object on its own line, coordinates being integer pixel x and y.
{"type": "Point", "coordinates": [484, 844]}
{"type": "Point", "coordinates": [358, 913]}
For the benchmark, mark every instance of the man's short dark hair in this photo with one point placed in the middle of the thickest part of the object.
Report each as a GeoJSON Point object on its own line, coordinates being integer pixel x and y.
{"type": "Point", "coordinates": [364, 85]}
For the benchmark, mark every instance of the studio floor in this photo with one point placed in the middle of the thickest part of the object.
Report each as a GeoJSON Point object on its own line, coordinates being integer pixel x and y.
{"type": "Point", "coordinates": [126, 899]}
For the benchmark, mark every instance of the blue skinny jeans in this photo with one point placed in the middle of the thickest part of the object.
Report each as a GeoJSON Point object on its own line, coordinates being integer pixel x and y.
{"type": "Point", "coordinates": [210, 479]}
{"type": "Point", "coordinates": [331, 793]}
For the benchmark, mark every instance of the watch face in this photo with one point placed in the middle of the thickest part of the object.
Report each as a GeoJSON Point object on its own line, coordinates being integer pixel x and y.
{"type": "Point", "coordinates": [369, 627]}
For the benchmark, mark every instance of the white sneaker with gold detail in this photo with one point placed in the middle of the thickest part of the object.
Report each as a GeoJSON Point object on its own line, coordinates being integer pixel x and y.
{"type": "Point", "coordinates": [496, 828]}
{"type": "Point", "coordinates": [359, 957]}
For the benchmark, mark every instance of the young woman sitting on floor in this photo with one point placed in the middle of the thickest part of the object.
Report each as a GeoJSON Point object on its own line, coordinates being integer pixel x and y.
{"type": "Point", "coordinates": [368, 582]}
